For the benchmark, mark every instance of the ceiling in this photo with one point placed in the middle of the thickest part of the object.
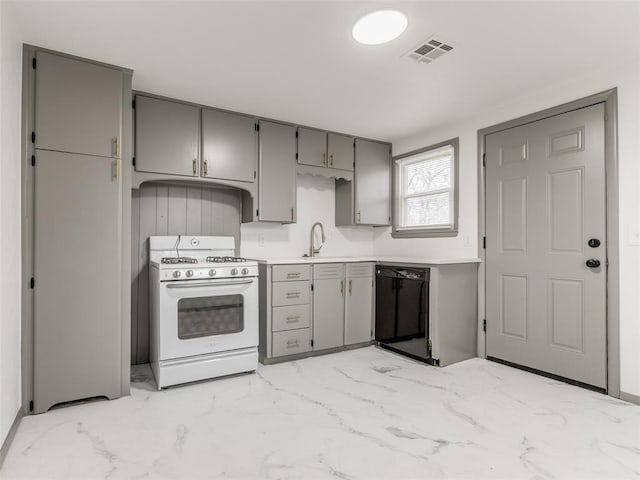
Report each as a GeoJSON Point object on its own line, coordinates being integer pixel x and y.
{"type": "Point", "coordinates": [296, 61]}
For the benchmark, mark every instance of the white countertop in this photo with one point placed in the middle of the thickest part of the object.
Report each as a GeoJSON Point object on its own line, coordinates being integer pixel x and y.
{"type": "Point", "coordinates": [400, 260]}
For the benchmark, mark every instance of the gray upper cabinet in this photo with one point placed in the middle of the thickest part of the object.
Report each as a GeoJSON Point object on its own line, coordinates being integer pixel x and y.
{"type": "Point", "coordinates": [166, 139]}
{"type": "Point", "coordinates": [229, 146]}
{"type": "Point", "coordinates": [340, 148]}
{"type": "Point", "coordinates": [372, 183]}
{"type": "Point", "coordinates": [277, 184]}
{"type": "Point", "coordinates": [312, 147]}
{"type": "Point", "coordinates": [78, 106]}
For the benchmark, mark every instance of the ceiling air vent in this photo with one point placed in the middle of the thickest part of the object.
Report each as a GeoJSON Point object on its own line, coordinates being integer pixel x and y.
{"type": "Point", "coordinates": [429, 50]}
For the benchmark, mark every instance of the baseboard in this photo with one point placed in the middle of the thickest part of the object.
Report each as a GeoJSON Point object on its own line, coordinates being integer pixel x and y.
{"type": "Point", "coordinates": [4, 449]}
{"type": "Point", "coordinates": [629, 397]}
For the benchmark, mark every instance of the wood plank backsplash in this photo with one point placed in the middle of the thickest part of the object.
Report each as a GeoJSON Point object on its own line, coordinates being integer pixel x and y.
{"type": "Point", "coordinates": [164, 209]}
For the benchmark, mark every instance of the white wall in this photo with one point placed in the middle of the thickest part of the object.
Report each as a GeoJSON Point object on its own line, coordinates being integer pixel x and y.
{"type": "Point", "coordinates": [627, 79]}
{"type": "Point", "coordinates": [316, 203]}
{"type": "Point", "coordinates": [10, 114]}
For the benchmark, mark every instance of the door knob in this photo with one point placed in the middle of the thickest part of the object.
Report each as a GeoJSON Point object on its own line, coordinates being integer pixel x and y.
{"type": "Point", "coordinates": [592, 263]}
{"type": "Point", "coordinates": [593, 243]}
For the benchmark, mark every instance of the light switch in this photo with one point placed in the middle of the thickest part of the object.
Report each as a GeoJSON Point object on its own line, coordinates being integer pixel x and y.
{"type": "Point", "coordinates": [634, 234]}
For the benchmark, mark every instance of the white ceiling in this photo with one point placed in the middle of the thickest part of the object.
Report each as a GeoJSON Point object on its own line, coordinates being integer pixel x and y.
{"type": "Point", "coordinates": [296, 61]}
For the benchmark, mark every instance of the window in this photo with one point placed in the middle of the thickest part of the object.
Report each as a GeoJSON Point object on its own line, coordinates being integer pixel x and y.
{"type": "Point", "coordinates": [426, 191]}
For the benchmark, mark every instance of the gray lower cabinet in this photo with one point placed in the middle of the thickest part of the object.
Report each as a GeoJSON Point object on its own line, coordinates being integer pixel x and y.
{"type": "Point", "coordinates": [328, 305]}
{"type": "Point", "coordinates": [321, 306]}
{"type": "Point", "coordinates": [358, 326]}
{"type": "Point", "coordinates": [77, 311]}
{"type": "Point", "coordinates": [367, 199]}
{"type": "Point", "coordinates": [78, 106]}
{"type": "Point", "coordinates": [312, 147]}
{"type": "Point", "coordinates": [277, 173]}
{"type": "Point", "coordinates": [166, 139]}
{"type": "Point", "coordinates": [229, 146]}
{"type": "Point", "coordinates": [340, 149]}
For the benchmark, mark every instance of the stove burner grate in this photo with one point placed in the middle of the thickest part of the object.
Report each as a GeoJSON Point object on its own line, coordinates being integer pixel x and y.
{"type": "Point", "coordinates": [226, 259]}
{"type": "Point", "coordinates": [176, 260]}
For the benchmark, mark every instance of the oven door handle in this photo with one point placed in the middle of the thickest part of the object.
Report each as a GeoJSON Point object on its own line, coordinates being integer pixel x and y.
{"type": "Point", "coordinates": [208, 284]}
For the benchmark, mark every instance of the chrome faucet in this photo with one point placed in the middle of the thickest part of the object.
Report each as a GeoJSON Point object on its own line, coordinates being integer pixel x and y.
{"type": "Point", "coordinates": [313, 251]}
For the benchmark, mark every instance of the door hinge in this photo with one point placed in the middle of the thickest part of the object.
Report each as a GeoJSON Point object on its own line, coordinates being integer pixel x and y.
{"type": "Point", "coordinates": [257, 128]}
{"type": "Point", "coordinates": [133, 103]}
{"type": "Point", "coordinates": [296, 156]}
{"type": "Point", "coordinates": [33, 137]}
{"type": "Point", "coordinates": [312, 342]}
{"type": "Point", "coordinates": [133, 161]}
{"type": "Point", "coordinates": [312, 287]}
{"type": "Point", "coordinates": [32, 283]}
{"type": "Point", "coordinates": [484, 325]}
{"type": "Point", "coordinates": [292, 214]}
{"type": "Point", "coordinates": [254, 174]}
{"type": "Point", "coordinates": [296, 133]}
{"type": "Point", "coordinates": [33, 62]}
{"type": "Point", "coordinates": [33, 160]}
{"type": "Point", "coordinates": [484, 242]}
{"type": "Point", "coordinates": [31, 405]}
{"type": "Point", "coordinates": [484, 159]}
{"type": "Point", "coordinates": [257, 213]}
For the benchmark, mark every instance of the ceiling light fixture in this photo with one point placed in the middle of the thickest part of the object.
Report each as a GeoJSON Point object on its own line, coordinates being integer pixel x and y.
{"type": "Point", "coordinates": [379, 27]}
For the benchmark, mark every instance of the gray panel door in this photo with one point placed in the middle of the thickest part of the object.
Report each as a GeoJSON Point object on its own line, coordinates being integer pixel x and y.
{"type": "Point", "coordinates": [312, 147]}
{"type": "Point", "coordinates": [359, 308]}
{"type": "Point", "coordinates": [78, 106]}
{"type": "Point", "coordinates": [277, 188]}
{"type": "Point", "coordinates": [545, 184]}
{"type": "Point", "coordinates": [372, 183]}
{"type": "Point", "coordinates": [328, 313]}
{"type": "Point", "coordinates": [229, 146]}
{"type": "Point", "coordinates": [166, 137]}
{"type": "Point", "coordinates": [340, 149]}
{"type": "Point", "coordinates": [77, 313]}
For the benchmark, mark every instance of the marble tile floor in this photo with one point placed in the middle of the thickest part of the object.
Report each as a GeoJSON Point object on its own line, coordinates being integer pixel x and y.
{"type": "Point", "coordinates": [360, 414]}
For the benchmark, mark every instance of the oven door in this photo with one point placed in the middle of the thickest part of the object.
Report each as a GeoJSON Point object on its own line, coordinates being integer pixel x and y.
{"type": "Point", "coordinates": [203, 317]}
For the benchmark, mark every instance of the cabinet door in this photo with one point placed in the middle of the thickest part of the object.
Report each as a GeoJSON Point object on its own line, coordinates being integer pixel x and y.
{"type": "Point", "coordinates": [372, 183]}
{"type": "Point", "coordinates": [359, 310]}
{"type": "Point", "coordinates": [77, 259]}
{"type": "Point", "coordinates": [166, 137]}
{"type": "Point", "coordinates": [328, 313]}
{"type": "Point", "coordinates": [78, 106]}
{"type": "Point", "coordinates": [229, 146]}
{"type": "Point", "coordinates": [277, 179]}
{"type": "Point", "coordinates": [312, 147]}
{"type": "Point", "coordinates": [340, 149]}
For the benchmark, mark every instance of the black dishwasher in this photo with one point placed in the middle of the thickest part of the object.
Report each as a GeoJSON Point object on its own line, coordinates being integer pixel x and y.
{"type": "Point", "coordinates": [402, 305]}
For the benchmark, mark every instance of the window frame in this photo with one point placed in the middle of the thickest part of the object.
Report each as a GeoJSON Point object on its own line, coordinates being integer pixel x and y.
{"type": "Point", "coordinates": [450, 230]}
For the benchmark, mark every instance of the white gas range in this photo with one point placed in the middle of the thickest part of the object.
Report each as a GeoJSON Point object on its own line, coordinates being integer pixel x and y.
{"type": "Point", "coordinates": [204, 309]}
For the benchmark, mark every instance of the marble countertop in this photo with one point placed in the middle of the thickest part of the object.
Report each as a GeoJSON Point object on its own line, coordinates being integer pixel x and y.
{"type": "Point", "coordinates": [382, 259]}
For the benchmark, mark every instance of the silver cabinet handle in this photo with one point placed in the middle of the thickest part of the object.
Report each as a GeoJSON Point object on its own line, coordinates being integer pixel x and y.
{"type": "Point", "coordinates": [293, 319]}
{"type": "Point", "coordinates": [293, 275]}
{"type": "Point", "coordinates": [331, 160]}
{"type": "Point", "coordinates": [324, 159]}
{"type": "Point", "coordinates": [350, 281]}
{"type": "Point", "coordinates": [293, 294]}
{"type": "Point", "coordinates": [195, 167]}
{"type": "Point", "coordinates": [116, 169]}
{"type": "Point", "coordinates": [342, 287]}
{"type": "Point", "coordinates": [116, 147]}
{"type": "Point", "coordinates": [204, 165]}
{"type": "Point", "coordinates": [293, 343]}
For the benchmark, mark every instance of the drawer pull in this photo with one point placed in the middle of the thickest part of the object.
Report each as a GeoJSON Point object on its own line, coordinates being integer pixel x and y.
{"type": "Point", "coordinates": [293, 343]}
{"type": "Point", "coordinates": [293, 294]}
{"type": "Point", "coordinates": [293, 275]}
{"type": "Point", "coordinates": [293, 318]}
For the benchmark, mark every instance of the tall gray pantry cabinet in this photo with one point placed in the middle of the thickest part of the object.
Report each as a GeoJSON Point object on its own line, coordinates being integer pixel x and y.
{"type": "Point", "coordinates": [78, 322]}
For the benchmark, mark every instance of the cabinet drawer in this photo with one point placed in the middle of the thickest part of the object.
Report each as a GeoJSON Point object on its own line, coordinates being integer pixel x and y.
{"type": "Point", "coordinates": [290, 293]}
{"type": "Point", "coordinates": [290, 317]}
{"type": "Point", "coordinates": [328, 270]}
{"type": "Point", "coordinates": [359, 269]}
{"type": "Point", "coordinates": [288, 273]}
{"type": "Point", "coordinates": [291, 342]}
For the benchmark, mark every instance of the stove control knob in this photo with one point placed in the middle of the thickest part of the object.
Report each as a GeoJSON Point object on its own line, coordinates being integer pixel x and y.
{"type": "Point", "coordinates": [234, 271]}
{"type": "Point", "coordinates": [212, 272]}
{"type": "Point", "coordinates": [245, 271]}
{"type": "Point", "coordinates": [176, 274]}
{"type": "Point", "coordinates": [189, 273]}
